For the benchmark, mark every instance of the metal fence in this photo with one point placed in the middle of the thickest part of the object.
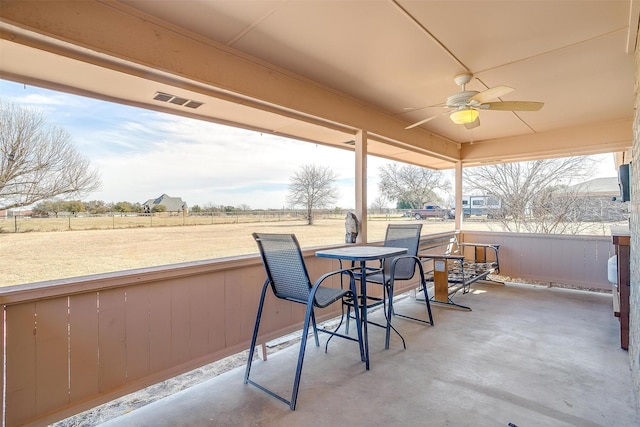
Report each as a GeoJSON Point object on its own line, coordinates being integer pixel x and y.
{"type": "Point", "coordinates": [67, 222]}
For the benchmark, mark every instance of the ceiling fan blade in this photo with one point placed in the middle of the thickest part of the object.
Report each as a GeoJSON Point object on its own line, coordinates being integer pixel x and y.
{"type": "Point", "coordinates": [473, 124]}
{"type": "Point", "coordinates": [426, 120]}
{"type": "Point", "coordinates": [513, 106]}
{"type": "Point", "coordinates": [489, 94]}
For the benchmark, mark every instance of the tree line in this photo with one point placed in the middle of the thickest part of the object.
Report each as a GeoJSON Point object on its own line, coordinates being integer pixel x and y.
{"type": "Point", "coordinates": [99, 207]}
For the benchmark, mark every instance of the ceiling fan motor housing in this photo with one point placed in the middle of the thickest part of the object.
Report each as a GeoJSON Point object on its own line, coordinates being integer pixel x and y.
{"type": "Point", "coordinates": [460, 99]}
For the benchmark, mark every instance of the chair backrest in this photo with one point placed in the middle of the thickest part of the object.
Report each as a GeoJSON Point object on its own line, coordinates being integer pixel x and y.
{"type": "Point", "coordinates": [284, 264]}
{"type": "Point", "coordinates": [403, 236]}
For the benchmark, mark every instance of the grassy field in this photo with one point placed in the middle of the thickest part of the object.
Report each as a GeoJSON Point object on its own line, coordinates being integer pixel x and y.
{"type": "Point", "coordinates": [32, 255]}
{"type": "Point", "coordinates": [38, 256]}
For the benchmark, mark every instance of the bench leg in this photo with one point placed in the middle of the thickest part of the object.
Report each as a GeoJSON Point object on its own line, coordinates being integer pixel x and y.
{"type": "Point", "coordinates": [451, 304]}
{"type": "Point", "coordinates": [441, 294]}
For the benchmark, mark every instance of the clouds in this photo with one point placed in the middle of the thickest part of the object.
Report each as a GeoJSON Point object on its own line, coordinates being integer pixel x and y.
{"type": "Point", "coordinates": [142, 154]}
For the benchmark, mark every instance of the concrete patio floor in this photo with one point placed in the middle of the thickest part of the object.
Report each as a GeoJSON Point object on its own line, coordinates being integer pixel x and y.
{"type": "Point", "coordinates": [526, 355]}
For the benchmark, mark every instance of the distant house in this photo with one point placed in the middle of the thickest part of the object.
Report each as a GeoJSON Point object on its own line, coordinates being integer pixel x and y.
{"type": "Point", "coordinates": [11, 213]}
{"type": "Point", "coordinates": [598, 195]}
{"type": "Point", "coordinates": [599, 187]}
{"type": "Point", "coordinates": [172, 204]}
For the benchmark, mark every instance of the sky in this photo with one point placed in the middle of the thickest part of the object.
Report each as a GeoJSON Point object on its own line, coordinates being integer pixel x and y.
{"type": "Point", "coordinates": [141, 154]}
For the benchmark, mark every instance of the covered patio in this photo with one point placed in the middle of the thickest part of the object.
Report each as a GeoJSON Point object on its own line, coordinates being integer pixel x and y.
{"type": "Point", "coordinates": [527, 355]}
{"type": "Point", "coordinates": [354, 76]}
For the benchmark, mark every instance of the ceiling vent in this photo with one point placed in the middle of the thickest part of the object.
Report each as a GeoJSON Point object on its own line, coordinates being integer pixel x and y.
{"type": "Point", "coordinates": [178, 101]}
{"type": "Point", "coordinates": [172, 99]}
{"type": "Point", "coordinates": [193, 104]}
{"type": "Point", "coordinates": [164, 97]}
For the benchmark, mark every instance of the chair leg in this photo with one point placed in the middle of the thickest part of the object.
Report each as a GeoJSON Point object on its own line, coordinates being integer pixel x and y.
{"type": "Point", "coordinates": [426, 293]}
{"type": "Point", "coordinates": [391, 313]}
{"type": "Point", "coordinates": [254, 338]}
{"type": "Point", "coordinates": [348, 318]}
{"type": "Point", "coordinates": [356, 310]}
{"type": "Point", "coordinates": [387, 308]}
{"type": "Point", "coordinates": [426, 299]}
{"type": "Point", "coordinates": [303, 345]}
{"type": "Point", "coordinates": [335, 331]}
{"type": "Point", "coordinates": [346, 325]}
{"type": "Point", "coordinates": [315, 328]}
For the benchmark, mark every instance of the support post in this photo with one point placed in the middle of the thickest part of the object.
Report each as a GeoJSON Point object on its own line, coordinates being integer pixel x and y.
{"type": "Point", "coordinates": [361, 184]}
{"type": "Point", "coordinates": [458, 195]}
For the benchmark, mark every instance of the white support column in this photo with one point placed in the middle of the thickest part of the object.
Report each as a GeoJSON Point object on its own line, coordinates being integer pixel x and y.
{"type": "Point", "coordinates": [458, 195]}
{"type": "Point", "coordinates": [361, 184]}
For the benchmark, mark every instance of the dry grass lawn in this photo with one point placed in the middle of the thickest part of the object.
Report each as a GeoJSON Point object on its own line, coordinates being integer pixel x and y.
{"type": "Point", "coordinates": [37, 256]}
{"type": "Point", "coordinates": [40, 256]}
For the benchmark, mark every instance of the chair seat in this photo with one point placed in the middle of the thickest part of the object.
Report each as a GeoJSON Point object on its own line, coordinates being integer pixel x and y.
{"type": "Point", "coordinates": [378, 278]}
{"type": "Point", "coordinates": [326, 296]}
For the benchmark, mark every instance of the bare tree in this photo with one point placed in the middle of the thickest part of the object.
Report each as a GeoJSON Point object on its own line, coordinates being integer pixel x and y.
{"type": "Point", "coordinates": [535, 196]}
{"type": "Point", "coordinates": [379, 205]}
{"type": "Point", "coordinates": [410, 186]}
{"type": "Point", "coordinates": [313, 187]}
{"type": "Point", "coordinates": [38, 161]}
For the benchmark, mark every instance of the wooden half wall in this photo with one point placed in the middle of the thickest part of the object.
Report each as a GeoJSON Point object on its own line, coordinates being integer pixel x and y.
{"type": "Point", "coordinates": [555, 259]}
{"type": "Point", "coordinates": [72, 345]}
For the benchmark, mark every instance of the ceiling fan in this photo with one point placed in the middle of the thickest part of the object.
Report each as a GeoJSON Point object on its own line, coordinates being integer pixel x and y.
{"type": "Point", "coordinates": [467, 103]}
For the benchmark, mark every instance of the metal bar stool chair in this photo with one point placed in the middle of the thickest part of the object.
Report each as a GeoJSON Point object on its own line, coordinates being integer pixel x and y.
{"type": "Point", "coordinates": [402, 267]}
{"type": "Point", "coordinates": [289, 279]}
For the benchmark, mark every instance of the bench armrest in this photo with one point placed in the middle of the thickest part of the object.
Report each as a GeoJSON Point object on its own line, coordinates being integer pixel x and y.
{"type": "Point", "coordinates": [441, 256]}
{"type": "Point", "coordinates": [481, 245]}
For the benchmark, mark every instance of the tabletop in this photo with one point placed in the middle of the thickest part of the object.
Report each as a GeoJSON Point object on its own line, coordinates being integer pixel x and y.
{"type": "Point", "coordinates": [361, 252]}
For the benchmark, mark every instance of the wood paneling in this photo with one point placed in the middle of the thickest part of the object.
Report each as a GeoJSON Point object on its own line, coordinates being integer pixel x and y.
{"type": "Point", "coordinates": [198, 319]}
{"type": "Point", "coordinates": [2, 352]}
{"type": "Point", "coordinates": [180, 321]}
{"type": "Point", "coordinates": [216, 319]}
{"type": "Point", "coordinates": [83, 346]}
{"type": "Point", "coordinates": [160, 327]}
{"type": "Point", "coordinates": [138, 328]}
{"type": "Point", "coordinates": [21, 363]}
{"type": "Point", "coordinates": [52, 356]}
{"type": "Point", "coordinates": [579, 261]}
{"type": "Point", "coordinates": [112, 336]}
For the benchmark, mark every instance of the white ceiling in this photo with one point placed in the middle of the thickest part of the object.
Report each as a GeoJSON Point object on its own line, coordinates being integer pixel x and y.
{"type": "Point", "coordinates": [388, 63]}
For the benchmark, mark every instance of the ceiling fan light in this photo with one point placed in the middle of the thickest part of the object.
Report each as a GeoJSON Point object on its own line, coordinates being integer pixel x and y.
{"type": "Point", "coordinates": [465, 116]}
